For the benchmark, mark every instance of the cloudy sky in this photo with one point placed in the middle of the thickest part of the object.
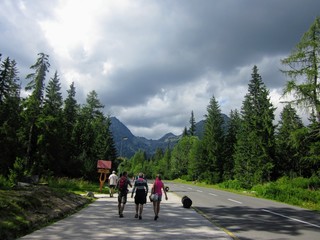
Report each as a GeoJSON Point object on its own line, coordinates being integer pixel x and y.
{"type": "Point", "coordinates": [152, 62]}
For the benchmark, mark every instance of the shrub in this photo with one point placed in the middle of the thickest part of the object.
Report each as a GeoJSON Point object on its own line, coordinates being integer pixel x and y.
{"type": "Point", "coordinates": [231, 184]}
{"type": "Point", "coordinates": [4, 183]}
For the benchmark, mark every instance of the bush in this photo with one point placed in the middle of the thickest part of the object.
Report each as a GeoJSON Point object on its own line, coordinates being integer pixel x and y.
{"type": "Point", "coordinates": [4, 183]}
{"type": "Point", "coordinates": [73, 184]}
{"type": "Point", "coordinates": [295, 191]}
{"type": "Point", "coordinates": [231, 184]}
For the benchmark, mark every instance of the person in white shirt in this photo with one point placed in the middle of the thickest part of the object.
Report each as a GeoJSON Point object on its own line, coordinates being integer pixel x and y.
{"type": "Point", "coordinates": [113, 180]}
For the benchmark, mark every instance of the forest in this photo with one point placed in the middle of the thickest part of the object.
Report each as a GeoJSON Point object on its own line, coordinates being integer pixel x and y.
{"type": "Point", "coordinates": [45, 135]}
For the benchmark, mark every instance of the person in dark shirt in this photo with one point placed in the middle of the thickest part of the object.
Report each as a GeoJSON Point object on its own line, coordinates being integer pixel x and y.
{"type": "Point", "coordinates": [140, 187]}
{"type": "Point", "coordinates": [122, 187]}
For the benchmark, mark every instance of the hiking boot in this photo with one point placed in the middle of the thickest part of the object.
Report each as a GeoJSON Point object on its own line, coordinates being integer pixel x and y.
{"type": "Point", "coordinates": [155, 218]}
{"type": "Point", "coordinates": [121, 215]}
{"type": "Point", "coordinates": [136, 216]}
{"type": "Point", "coordinates": [140, 217]}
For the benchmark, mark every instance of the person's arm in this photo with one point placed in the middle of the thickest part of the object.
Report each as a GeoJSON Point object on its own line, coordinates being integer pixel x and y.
{"type": "Point", "coordinates": [134, 188]}
{"type": "Point", "coordinates": [129, 182]}
{"type": "Point", "coordinates": [165, 193]}
{"type": "Point", "coordinates": [147, 188]}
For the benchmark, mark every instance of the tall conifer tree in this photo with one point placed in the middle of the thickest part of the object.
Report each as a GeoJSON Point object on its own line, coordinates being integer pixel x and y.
{"type": "Point", "coordinates": [213, 143]}
{"type": "Point", "coordinates": [304, 64]}
{"type": "Point", "coordinates": [254, 153]}
{"type": "Point", "coordinates": [192, 129]}
{"type": "Point", "coordinates": [33, 106]}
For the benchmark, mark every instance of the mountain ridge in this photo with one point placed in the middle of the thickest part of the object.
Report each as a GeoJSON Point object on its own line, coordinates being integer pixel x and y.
{"type": "Point", "coordinates": [127, 144]}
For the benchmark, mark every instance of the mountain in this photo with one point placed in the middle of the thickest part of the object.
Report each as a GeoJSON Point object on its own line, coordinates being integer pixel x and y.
{"type": "Point", "coordinates": [127, 144]}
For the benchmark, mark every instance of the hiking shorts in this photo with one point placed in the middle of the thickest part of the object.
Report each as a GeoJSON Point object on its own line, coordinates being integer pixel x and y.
{"type": "Point", "coordinates": [140, 197]}
{"type": "Point", "coordinates": [122, 197]}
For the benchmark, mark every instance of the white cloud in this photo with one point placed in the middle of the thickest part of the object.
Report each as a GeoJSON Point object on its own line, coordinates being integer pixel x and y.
{"type": "Point", "coordinates": [153, 62]}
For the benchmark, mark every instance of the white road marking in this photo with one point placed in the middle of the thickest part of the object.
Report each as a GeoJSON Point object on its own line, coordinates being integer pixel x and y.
{"type": "Point", "coordinates": [293, 219]}
{"type": "Point", "coordinates": [189, 188]}
{"type": "Point", "coordinates": [199, 191]}
{"type": "Point", "coordinates": [213, 194]}
{"type": "Point", "coordinates": [234, 201]}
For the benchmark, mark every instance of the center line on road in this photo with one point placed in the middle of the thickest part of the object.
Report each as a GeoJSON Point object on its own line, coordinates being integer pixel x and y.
{"type": "Point", "coordinates": [213, 194]}
{"type": "Point", "coordinates": [189, 188]}
{"type": "Point", "coordinates": [199, 191]}
{"type": "Point", "coordinates": [293, 219]}
{"type": "Point", "coordinates": [234, 201]}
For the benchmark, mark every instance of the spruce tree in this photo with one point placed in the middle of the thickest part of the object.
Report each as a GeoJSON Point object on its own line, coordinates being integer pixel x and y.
{"type": "Point", "coordinates": [213, 143]}
{"type": "Point", "coordinates": [70, 117]}
{"type": "Point", "coordinates": [10, 108]}
{"type": "Point", "coordinates": [192, 129]}
{"type": "Point", "coordinates": [51, 129]}
{"type": "Point", "coordinates": [289, 151]}
{"type": "Point", "coordinates": [255, 148]}
{"type": "Point", "coordinates": [33, 107]}
{"type": "Point", "coordinates": [229, 145]}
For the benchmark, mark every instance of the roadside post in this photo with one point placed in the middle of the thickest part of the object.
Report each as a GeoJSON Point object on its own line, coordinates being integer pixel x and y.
{"type": "Point", "coordinates": [104, 167]}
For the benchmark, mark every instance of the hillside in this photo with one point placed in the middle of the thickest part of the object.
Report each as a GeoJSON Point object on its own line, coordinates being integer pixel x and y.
{"type": "Point", "coordinates": [128, 144]}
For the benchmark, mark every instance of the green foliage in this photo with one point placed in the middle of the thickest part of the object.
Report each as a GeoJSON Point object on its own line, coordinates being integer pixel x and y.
{"type": "Point", "coordinates": [303, 65]}
{"type": "Point", "coordinates": [231, 184]}
{"type": "Point", "coordinates": [298, 191]}
{"type": "Point", "coordinates": [18, 172]}
{"type": "Point", "coordinates": [213, 140]}
{"type": "Point", "coordinates": [255, 147]}
{"type": "Point", "coordinates": [192, 128]}
{"type": "Point", "coordinates": [72, 184]}
{"type": "Point", "coordinates": [4, 182]}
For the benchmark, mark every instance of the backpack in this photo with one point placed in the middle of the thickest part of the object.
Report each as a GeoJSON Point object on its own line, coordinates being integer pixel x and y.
{"type": "Point", "coordinates": [123, 184]}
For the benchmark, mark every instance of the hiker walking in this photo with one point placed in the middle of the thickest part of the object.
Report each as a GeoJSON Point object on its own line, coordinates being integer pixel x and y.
{"type": "Point", "coordinates": [157, 188]}
{"type": "Point", "coordinates": [113, 179]}
{"type": "Point", "coordinates": [140, 187]}
{"type": "Point", "coordinates": [122, 187]}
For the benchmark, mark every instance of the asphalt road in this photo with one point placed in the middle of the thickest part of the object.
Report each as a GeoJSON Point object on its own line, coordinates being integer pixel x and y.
{"type": "Point", "coordinates": [251, 218]}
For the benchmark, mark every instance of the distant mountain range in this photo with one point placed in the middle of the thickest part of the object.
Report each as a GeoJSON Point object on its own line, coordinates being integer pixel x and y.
{"type": "Point", "coordinates": [127, 144]}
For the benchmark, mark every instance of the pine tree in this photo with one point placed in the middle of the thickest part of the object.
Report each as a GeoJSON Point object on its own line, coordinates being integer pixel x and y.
{"type": "Point", "coordinates": [70, 117]}
{"type": "Point", "coordinates": [33, 107]}
{"type": "Point", "coordinates": [304, 64]}
{"type": "Point", "coordinates": [229, 145]}
{"type": "Point", "coordinates": [192, 129]}
{"type": "Point", "coordinates": [185, 132]}
{"type": "Point", "coordinates": [254, 153]}
{"type": "Point", "coordinates": [289, 153]}
{"type": "Point", "coordinates": [10, 109]}
{"type": "Point", "coordinates": [213, 143]}
{"type": "Point", "coordinates": [50, 125]}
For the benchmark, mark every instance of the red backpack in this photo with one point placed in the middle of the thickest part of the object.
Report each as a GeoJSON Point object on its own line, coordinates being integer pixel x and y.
{"type": "Point", "coordinates": [123, 184]}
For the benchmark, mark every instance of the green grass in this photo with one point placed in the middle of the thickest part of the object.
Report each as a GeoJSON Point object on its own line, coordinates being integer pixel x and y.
{"type": "Point", "coordinates": [78, 186]}
{"type": "Point", "coordinates": [17, 205]}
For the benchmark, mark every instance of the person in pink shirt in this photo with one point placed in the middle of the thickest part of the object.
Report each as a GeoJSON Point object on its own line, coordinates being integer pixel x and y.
{"type": "Point", "coordinates": [157, 189]}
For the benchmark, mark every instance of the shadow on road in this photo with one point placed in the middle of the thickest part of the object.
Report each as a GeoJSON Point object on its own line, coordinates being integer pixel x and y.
{"type": "Point", "coordinates": [237, 219]}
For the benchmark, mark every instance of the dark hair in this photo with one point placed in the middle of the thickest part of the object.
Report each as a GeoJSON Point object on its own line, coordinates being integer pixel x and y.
{"type": "Point", "coordinates": [158, 176]}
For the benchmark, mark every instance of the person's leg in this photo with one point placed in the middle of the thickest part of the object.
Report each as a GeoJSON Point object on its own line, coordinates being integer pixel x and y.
{"type": "Point", "coordinates": [112, 191]}
{"type": "Point", "coordinates": [158, 207]}
{"type": "Point", "coordinates": [155, 207]}
{"type": "Point", "coordinates": [140, 210]}
{"type": "Point", "coordinates": [121, 209]}
{"type": "Point", "coordinates": [137, 208]}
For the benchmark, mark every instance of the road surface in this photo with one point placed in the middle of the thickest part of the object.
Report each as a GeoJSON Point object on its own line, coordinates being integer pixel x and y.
{"type": "Point", "coordinates": [251, 218]}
